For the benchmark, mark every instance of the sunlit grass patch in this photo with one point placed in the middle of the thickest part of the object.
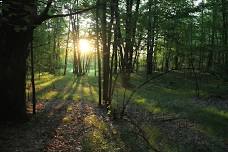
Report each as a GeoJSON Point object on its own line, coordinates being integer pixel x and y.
{"type": "Point", "coordinates": [98, 139]}
{"type": "Point", "coordinates": [92, 120]}
{"type": "Point", "coordinates": [61, 84]}
{"type": "Point", "coordinates": [155, 110]}
{"type": "Point", "coordinates": [213, 122]}
{"type": "Point", "coordinates": [94, 92]}
{"type": "Point", "coordinates": [69, 108]}
{"type": "Point", "coordinates": [215, 111]}
{"type": "Point", "coordinates": [140, 101]}
{"type": "Point", "coordinates": [86, 91]}
{"type": "Point", "coordinates": [89, 93]}
{"type": "Point", "coordinates": [65, 90]}
{"type": "Point", "coordinates": [76, 97]}
{"type": "Point", "coordinates": [96, 142]}
{"type": "Point", "coordinates": [48, 82]}
{"type": "Point", "coordinates": [153, 134]}
{"type": "Point", "coordinates": [49, 95]}
{"type": "Point", "coordinates": [67, 119]}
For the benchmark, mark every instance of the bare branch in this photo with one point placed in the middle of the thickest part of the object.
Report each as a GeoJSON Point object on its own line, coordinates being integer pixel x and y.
{"type": "Point", "coordinates": [41, 18]}
{"type": "Point", "coordinates": [69, 14]}
{"type": "Point", "coordinates": [140, 86]}
{"type": "Point", "coordinates": [141, 133]}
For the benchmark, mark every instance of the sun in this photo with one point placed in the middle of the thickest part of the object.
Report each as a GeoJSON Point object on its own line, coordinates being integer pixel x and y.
{"type": "Point", "coordinates": [84, 45]}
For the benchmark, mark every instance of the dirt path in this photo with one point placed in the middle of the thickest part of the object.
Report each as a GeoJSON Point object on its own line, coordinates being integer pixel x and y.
{"type": "Point", "coordinates": [62, 125]}
{"type": "Point", "coordinates": [85, 127]}
{"type": "Point", "coordinates": [67, 126]}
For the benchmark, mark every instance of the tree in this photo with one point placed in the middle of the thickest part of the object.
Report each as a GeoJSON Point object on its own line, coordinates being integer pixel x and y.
{"type": "Point", "coordinates": [106, 53]}
{"type": "Point", "coordinates": [18, 20]}
{"type": "Point", "coordinates": [98, 53]}
{"type": "Point", "coordinates": [151, 35]}
{"type": "Point", "coordinates": [66, 51]}
{"type": "Point", "coordinates": [33, 79]}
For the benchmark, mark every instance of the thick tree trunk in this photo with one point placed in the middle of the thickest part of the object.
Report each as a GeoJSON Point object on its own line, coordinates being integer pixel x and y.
{"type": "Point", "coordinates": [16, 34]}
{"type": "Point", "coordinates": [17, 21]}
{"type": "Point", "coordinates": [13, 54]}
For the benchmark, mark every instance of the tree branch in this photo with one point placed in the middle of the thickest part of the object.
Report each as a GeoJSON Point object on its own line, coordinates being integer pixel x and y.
{"type": "Point", "coordinates": [140, 86]}
{"type": "Point", "coordinates": [141, 133]}
{"type": "Point", "coordinates": [43, 17]}
{"type": "Point", "coordinates": [69, 14]}
{"type": "Point", "coordinates": [145, 82]}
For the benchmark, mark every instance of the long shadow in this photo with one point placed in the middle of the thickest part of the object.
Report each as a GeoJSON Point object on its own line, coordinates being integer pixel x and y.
{"type": "Point", "coordinates": [50, 86]}
{"type": "Point", "coordinates": [41, 128]}
{"type": "Point", "coordinates": [162, 97]}
{"type": "Point", "coordinates": [71, 93]}
{"type": "Point", "coordinates": [61, 88]}
{"type": "Point", "coordinates": [56, 109]}
{"type": "Point", "coordinates": [211, 119]}
{"type": "Point", "coordinates": [100, 137]}
{"type": "Point", "coordinates": [35, 134]}
{"type": "Point", "coordinates": [172, 96]}
{"type": "Point", "coordinates": [165, 98]}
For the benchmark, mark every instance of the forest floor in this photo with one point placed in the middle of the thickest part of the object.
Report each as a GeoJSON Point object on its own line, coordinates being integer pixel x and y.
{"type": "Point", "coordinates": [62, 126]}
{"type": "Point", "coordinates": [163, 116]}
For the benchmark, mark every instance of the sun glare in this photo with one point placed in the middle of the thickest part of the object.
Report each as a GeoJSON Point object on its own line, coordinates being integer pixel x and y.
{"type": "Point", "coordinates": [84, 46]}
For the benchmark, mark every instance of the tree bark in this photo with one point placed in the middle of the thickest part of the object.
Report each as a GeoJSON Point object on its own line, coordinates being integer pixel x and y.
{"type": "Point", "coordinates": [225, 21]}
{"type": "Point", "coordinates": [129, 27]}
{"type": "Point", "coordinates": [150, 38]}
{"type": "Point", "coordinates": [106, 54]}
{"type": "Point", "coordinates": [98, 53]}
{"type": "Point", "coordinates": [149, 43]}
{"type": "Point", "coordinates": [14, 51]}
{"type": "Point", "coordinates": [118, 35]}
{"type": "Point", "coordinates": [33, 80]}
{"type": "Point", "coordinates": [66, 51]}
{"type": "Point", "coordinates": [16, 34]}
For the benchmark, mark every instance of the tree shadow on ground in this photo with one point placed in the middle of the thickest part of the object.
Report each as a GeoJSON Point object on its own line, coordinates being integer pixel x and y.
{"type": "Point", "coordinates": [35, 134]}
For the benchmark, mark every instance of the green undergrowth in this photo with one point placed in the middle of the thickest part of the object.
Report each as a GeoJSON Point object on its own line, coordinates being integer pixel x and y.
{"type": "Point", "coordinates": [171, 93]}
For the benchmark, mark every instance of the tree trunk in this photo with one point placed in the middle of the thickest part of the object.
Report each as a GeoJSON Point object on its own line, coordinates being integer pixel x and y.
{"type": "Point", "coordinates": [14, 51]}
{"type": "Point", "coordinates": [66, 51]}
{"type": "Point", "coordinates": [225, 21]}
{"type": "Point", "coordinates": [118, 35]}
{"type": "Point", "coordinates": [77, 43]}
{"type": "Point", "coordinates": [134, 27]}
{"type": "Point", "coordinates": [16, 34]}
{"type": "Point", "coordinates": [98, 52]}
{"type": "Point", "coordinates": [128, 37]}
{"type": "Point", "coordinates": [150, 41]}
{"type": "Point", "coordinates": [18, 19]}
{"type": "Point", "coordinates": [106, 54]}
{"type": "Point", "coordinates": [33, 80]}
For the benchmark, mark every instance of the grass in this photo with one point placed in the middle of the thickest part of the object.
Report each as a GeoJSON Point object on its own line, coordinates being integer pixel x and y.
{"type": "Point", "coordinates": [172, 93]}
